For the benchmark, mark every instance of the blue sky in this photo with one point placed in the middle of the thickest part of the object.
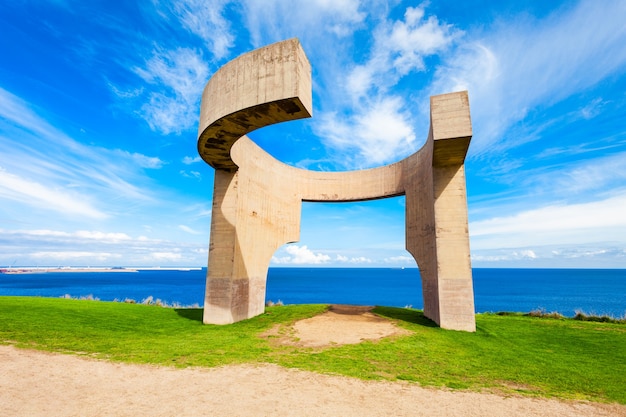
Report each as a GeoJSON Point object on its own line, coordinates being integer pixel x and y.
{"type": "Point", "coordinates": [99, 106]}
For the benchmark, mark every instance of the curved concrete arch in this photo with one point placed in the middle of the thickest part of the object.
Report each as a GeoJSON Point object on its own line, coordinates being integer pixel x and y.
{"type": "Point", "coordinates": [263, 87]}
{"type": "Point", "coordinates": [257, 199]}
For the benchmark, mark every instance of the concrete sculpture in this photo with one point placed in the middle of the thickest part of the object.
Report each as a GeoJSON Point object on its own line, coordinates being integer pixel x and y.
{"type": "Point", "coordinates": [257, 199]}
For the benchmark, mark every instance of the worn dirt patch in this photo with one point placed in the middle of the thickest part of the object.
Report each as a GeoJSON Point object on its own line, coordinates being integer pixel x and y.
{"type": "Point", "coordinates": [340, 325]}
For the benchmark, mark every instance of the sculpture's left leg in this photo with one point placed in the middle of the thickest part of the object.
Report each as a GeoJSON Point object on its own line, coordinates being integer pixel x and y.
{"type": "Point", "coordinates": [255, 211]}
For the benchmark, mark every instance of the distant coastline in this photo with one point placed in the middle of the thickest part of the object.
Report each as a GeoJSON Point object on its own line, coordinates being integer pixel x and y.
{"type": "Point", "coordinates": [43, 270]}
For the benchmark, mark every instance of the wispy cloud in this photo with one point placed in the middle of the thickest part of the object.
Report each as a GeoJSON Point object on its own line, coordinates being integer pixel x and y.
{"type": "Point", "coordinates": [273, 20]}
{"type": "Point", "coordinates": [565, 180]}
{"type": "Point", "coordinates": [31, 193]}
{"type": "Point", "coordinates": [191, 174]}
{"type": "Point", "coordinates": [188, 160]}
{"type": "Point", "coordinates": [176, 78]}
{"type": "Point", "coordinates": [74, 256]}
{"type": "Point", "coordinates": [528, 63]}
{"type": "Point", "coordinates": [172, 77]}
{"type": "Point", "coordinates": [189, 230]}
{"type": "Point", "coordinates": [165, 257]}
{"type": "Point", "coordinates": [553, 256]}
{"type": "Point", "coordinates": [92, 247]}
{"type": "Point", "coordinates": [68, 237]}
{"type": "Point", "coordinates": [596, 221]}
{"type": "Point", "coordinates": [143, 161]}
{"type": "Point", "coordinates": [203, 19]}
{"type": "Point", "coordinates": [45, 169]}
{"type": "Point", "coordinates": [600, 173]}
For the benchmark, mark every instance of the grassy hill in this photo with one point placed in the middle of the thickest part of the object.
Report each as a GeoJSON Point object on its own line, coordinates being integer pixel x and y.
{"type": "Point", "coordinates": [536, 356]}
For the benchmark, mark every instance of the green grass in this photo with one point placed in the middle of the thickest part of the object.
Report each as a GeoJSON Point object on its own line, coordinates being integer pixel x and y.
{"type": "Point", "coordinates": [528, 355]}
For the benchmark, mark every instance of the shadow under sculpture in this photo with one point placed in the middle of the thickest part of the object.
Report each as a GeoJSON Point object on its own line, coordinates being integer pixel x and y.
{"type": "Point", "coordinates": [257, 199]}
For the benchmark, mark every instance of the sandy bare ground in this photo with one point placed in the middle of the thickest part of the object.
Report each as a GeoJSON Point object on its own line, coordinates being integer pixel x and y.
{"type": "Point", "coordinates": [34, 383]}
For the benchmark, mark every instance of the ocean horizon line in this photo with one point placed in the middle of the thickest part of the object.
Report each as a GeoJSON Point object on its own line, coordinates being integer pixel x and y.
{"type": "Point", "coordinates": [87, 268]}
{"type": "Point", "coordinates": [595, 291]}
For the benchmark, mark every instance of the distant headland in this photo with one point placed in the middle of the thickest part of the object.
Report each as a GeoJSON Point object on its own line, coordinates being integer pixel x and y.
{"type": "Point", "coordinates": [43, 270]}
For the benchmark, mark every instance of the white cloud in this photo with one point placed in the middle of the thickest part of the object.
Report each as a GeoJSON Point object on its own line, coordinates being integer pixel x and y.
{"type": "Point", "coordinates": [399, 49]}
{"type": "Point", "coordinates": [188, 160]}
{"type": "Point", "coordinates": [354, 259]}
{"type": "Point", "coordinates": [384, 131]}
{"type": "Point", "coordinates": [400, 260]}
{"type": "Point", "coordinates": [379, 135]}
{"type": "Point", "coordinates": [177, 78]}
{"type": "Point", "coordinates": [506, 255]}
{"type": "Point", "coordinates": [378, 128]}
{"type": "Point", "coordinates": [300, 255]}
{"type": "Point", "coordinates": [180, 70]}
{"type": "Point", "coordinates": [54, 233]}
{"type": "Point", "coordinates": [528, 254]}
{"type": "Point", "coordinates": [103, 237]}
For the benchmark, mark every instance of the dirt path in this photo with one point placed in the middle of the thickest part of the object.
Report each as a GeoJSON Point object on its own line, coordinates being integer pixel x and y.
{"type": "Point", "coordinates": [43, 384]}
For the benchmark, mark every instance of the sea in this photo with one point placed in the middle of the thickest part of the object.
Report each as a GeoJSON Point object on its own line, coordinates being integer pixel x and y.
{"type": "Point", "coordinates": [567, 291]}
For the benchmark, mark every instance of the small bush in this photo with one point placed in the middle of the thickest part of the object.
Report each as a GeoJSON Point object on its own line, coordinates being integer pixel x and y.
{"type": "Point", "coordinates": [540, 312]}
{"type": "Point", "coordinates": [582, 316]}
{"type": "Point", "coordinates": [507, 313]}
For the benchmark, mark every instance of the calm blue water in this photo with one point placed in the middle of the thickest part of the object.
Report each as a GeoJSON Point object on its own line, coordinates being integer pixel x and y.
{"type": "Point", "coordinates": [562, 290]}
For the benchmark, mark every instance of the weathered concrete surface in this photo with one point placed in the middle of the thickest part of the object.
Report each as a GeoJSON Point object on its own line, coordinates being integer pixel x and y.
{"type": "Point", "coordinates": [257, 200]}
